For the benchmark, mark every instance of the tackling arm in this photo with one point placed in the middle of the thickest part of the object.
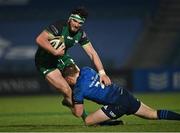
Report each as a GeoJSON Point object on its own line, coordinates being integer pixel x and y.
{"type": "Point", "coordinates": [77, 110]}
{"type": "Point", "coordinates": [97, 62]}
{"type": "Point", "coordinates": [91, 119]}
{"type": "Point", "coordinates": [93, 56]}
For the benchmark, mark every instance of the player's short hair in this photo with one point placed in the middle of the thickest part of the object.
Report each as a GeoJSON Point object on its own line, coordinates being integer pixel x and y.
{"type": "Point", "coordinates": [81, 11]}
{"type": "Point", "coordinates": [70, 70]}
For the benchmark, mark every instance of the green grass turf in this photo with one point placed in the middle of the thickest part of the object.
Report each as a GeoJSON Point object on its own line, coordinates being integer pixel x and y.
{"type": "Point", "coordinates": [45, 113]}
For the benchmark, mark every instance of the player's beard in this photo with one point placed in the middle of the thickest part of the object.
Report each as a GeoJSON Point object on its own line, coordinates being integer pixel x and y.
{"type": "Point", "coordinates": [73, 28]}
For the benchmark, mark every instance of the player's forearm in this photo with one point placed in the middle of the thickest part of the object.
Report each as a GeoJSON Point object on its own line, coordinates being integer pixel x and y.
{"type": "Point", "coordinates": [42, 41]}
{"type": "Point", "coordinates": [93, 56]}
{"type": "Point", "coordinates": [46, 45]}
{"type": "Point", "coordinates": [98, 64]}
{"type": "Point", "coordinates": [79, 111]}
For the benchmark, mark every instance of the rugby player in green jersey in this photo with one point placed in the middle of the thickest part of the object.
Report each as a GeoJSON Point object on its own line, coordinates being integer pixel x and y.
{"type": "Point", "coordinates": [51, 61]}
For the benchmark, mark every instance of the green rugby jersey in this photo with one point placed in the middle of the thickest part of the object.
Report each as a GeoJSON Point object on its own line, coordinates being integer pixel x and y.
{"type": "Point", "coordinates": [45, 60]}
{"type": "Point", "coordinates": [60, 28]}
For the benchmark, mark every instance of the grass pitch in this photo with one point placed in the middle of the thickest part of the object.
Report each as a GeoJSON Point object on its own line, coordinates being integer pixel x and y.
{"type": "Point", "coordinates": [44, 113]}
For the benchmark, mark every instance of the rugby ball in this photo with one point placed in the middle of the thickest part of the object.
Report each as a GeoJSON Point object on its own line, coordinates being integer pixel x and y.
{"type": "Point", "coordinates": [56, 42]}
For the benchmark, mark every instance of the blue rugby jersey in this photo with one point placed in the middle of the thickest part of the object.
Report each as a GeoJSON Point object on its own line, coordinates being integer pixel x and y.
{"type": "Point", "coordinates": [88, 86]}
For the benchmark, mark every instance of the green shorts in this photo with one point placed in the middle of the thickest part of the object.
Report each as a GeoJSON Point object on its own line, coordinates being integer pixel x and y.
{"type": "Point", "coordinates": [47, 63]}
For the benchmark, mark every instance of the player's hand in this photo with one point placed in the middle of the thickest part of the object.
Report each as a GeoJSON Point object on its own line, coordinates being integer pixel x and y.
{"type": "Point", "coordinates": [60, 51]}
{"type": "Point", "coordinates": [105, 79]}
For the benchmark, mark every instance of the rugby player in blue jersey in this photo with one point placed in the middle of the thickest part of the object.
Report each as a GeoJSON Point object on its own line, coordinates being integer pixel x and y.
{"type": "Point", "coordinates": [117, 101]}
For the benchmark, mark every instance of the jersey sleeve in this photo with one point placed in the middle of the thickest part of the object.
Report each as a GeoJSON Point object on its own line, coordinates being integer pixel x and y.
{"type": "Point", "coordinates": [78, 97]}
{"type": "Point", "coordinates": [55, 28]}
{"type": "Point", "coordinates": [84, 39]}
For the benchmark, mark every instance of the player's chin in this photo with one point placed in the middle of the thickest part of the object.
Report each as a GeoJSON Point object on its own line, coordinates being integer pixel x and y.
{"type": "Point", "coordinates": [74, 29]}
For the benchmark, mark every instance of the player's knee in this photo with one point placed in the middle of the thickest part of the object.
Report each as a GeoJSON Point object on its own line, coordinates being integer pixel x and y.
{"type": "Point", "coordinates": [152, 115]}
{"type": "Point", "coordinates": [146, 112]}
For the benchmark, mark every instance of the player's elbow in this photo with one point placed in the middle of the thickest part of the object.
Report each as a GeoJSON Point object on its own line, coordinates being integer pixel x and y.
{"type": "Point", "coordinates": [38, 39]}
{"type": "Point", "coordinates": [41, 38]}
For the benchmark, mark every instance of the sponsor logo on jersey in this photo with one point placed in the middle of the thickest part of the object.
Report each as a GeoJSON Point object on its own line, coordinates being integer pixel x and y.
{"type": "Point", "coordinates": [45, 71]}
{"type": "Point", "coordinates": [121, 91]}
{"type": "Point", "coordinates": [112, 114]}
{"type": "Point", "coordinates": [94, 80]}
{"type": "Point", "coordinates": [70, 38]}
{"type": "Point", "coordinates": [105, 107]}
{"type": "Point", "coordinates": [61, 61]}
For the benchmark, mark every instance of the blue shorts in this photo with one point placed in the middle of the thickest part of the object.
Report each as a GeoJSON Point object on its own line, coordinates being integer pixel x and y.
{"type": "Point", "coordinates": [127, 104]}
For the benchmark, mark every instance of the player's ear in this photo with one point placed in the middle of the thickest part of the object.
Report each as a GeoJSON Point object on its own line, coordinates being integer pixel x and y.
{"type": "Point", "coordinates": [69, 80]}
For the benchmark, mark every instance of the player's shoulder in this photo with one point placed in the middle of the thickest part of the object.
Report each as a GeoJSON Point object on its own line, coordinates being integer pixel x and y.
{"type": "Point", "coordinates": [83, 79]}
{"type": "Point", "coordinates": [84, 72]}
{"type": "Point", "coordinates": [86, 69]}
{"type": "Point", "coordinates": [56, 26]}
{"type": "Point", "coordinates": [87, 72]}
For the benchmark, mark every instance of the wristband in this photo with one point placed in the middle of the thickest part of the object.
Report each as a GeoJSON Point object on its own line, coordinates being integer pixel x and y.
{"type": "Point", "coordinates": [102, 72]}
